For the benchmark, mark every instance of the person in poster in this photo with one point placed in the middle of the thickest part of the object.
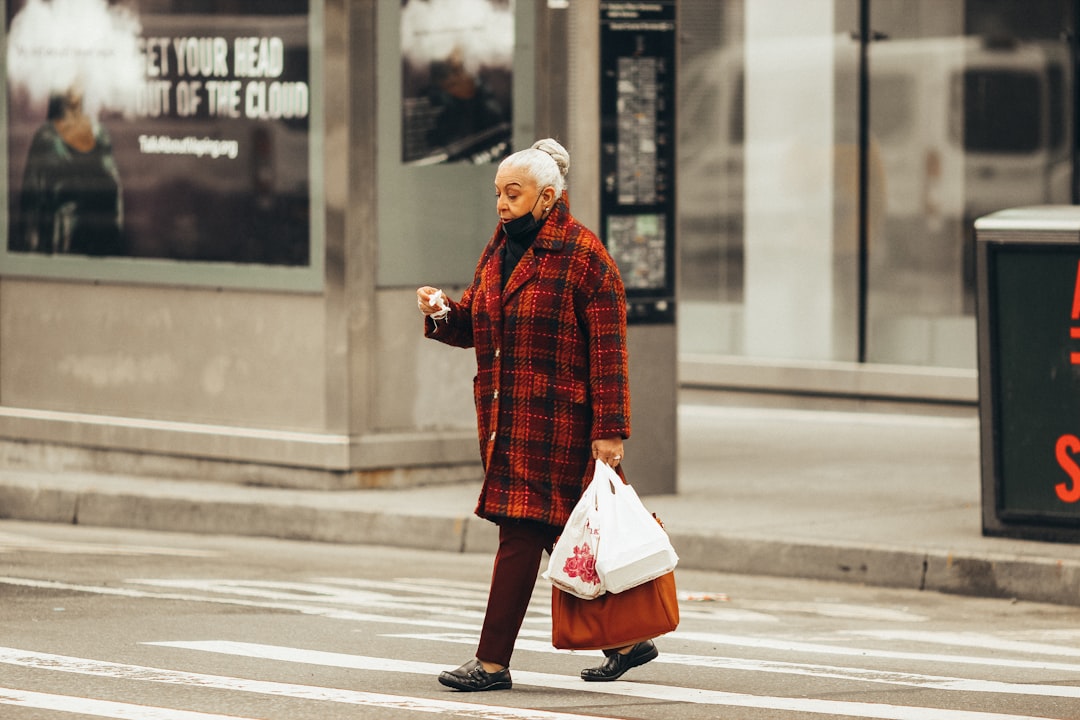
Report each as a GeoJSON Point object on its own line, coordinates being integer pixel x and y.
{"type": "Point", "coordinates": [71, 199]}
{"type": "Point", "coordinates": [69, 61]}
{"type": "Point", "coordinates": [456, 80]}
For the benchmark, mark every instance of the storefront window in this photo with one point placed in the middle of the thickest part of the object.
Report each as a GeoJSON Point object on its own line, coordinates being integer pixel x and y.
{"type": "Point", "coordinates": [763, 154]}
{"type": "Point", "coordinates": [985, 113]}
{"type": "Point", "coordinates": [810, 230]}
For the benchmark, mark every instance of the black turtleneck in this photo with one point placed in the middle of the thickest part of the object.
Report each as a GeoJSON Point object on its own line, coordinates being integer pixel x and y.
{"type": "Point", "coordinates": [516, 247]}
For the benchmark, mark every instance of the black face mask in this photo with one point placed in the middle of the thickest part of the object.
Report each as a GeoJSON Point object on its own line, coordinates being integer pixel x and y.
{"type": "Point", "coordinates": [524, 225]}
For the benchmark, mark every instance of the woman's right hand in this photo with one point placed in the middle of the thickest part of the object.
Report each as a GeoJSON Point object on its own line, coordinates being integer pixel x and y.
{"type": "Point", "coordinates": [423, 300]}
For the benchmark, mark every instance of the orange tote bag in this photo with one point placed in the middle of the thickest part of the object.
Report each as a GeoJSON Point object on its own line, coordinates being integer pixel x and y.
{"type": "Point", "coordinates": [614, 619]}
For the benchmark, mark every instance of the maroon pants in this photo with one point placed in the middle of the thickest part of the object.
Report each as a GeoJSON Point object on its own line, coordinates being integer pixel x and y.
{"type": "Point", "coordinates": [521, 547]}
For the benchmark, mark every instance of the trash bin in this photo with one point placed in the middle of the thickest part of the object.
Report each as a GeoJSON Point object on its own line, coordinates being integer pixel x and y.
{"type": "Point", "coordinates": [1028, 275]}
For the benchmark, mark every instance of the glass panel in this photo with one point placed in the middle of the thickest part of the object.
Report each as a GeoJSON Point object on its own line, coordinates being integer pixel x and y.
{"type": "Point", "coordinates": [768, 182]}
{"type": "Point", "coordinates": [968, 108]}
{"type": "Point", "coordinates": [710, 181]}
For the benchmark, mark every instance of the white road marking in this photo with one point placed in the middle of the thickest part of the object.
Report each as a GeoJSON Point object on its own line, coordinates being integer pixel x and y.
{"type": "Point", "coordinates": [465, 604]}
{"type": "Point", "coordinates": [969, 640]}
{"type": "Point", "coordinates": [455, 595]}
{"type": "Point", "coordinates": [1057, 634]}
{"type": "Point", "coordinates": [100, 708]}
{"type": "Point", "coordinates": [544, 632]}
{"type": "Point", "coordinates": [343, 591]}
{"type": "Point", "coordinates": [11, 542]}
{"type": "Point", "coordinates": [83, 666]}
{"type": "Point", "coordinates": [819, 649]}
{"type": "Point", "coordinates": [727, 615]}
{"type": "Point", "coordinates": [318, 593]}
{"type": "Point", "coordinates": [438, 584]}
{"type": "Point", "coordinates": [846, 611]}
{"type": "Point", "coordinates": [329, 612]}
{"type": "Point", "coordinates": [879, 711]}
{"type": "Point", "coordinates": [854, 674]}
{"type": "Point", "coordinates": [476, 592]}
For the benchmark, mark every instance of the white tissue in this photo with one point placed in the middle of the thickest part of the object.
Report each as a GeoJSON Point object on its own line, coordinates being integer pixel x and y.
{"type": "Point", "coordinates": [438, 300]}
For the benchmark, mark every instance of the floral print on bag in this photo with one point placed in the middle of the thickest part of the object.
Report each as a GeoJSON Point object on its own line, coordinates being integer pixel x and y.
{"type": "Point", "coordinates": [582, 565]}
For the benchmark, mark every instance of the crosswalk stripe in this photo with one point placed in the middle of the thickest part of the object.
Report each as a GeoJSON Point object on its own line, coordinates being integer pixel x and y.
{"type": "Point", "coordinates": [877, 711]}
{"type": "Point", "coordinates": [477, 592]}
{"type": "Point", "coordinates": [442, 623]}
{"type": "Point", "coordinates": [327, 612]}
{"type": "Point", "coordinates": [819, 649]}
{"type": "Point", "coordinates": [845, 611]}
{"type": "Point", "coordinates": [451, 601]}
{"type": "Point", "coordinates": [884, 677]}
{"type": "Point", "coordinates": [101, 708]}
{"type": "Point", "coordinates": [11, 542]}
{"type": "Point", "coordinates": [332, 591]}
{"type": "Point", "coordinates": [100, 668]}
{"type": "Point", "coordinates": [968, 640]}
{"type": "Point", "coordinates": [318, 593]}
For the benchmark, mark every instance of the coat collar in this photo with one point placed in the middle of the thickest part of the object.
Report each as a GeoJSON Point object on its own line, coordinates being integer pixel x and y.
{"type": "Point", "coordinates": [552, 238]}
{"type": "Point", "coordinates": [552, 235]}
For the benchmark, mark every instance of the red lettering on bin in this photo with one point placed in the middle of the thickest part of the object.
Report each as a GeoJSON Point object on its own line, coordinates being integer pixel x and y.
{"type": "Point", "coordinates": [1074, 332]}
{"type": "Point", "coordinates": [1076, 295]}
{"type": "Point", "coordinates": [1067, 447]}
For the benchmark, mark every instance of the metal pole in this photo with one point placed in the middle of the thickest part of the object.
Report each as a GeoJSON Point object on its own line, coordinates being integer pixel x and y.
{"type": "Point", "coordinates": [864, 172]}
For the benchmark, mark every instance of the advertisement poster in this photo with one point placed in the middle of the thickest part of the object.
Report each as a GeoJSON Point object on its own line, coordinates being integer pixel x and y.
{"type": "Point", "coordinates": [166, 129]}
{"type": "Point", "coordinates": [457, 77]}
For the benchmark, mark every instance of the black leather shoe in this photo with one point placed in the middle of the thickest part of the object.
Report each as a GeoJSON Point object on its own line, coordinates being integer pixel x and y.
{"type": "Point", "coordinates": [472, 677]}
{"type": "Point", "coordinates": [615, 664]}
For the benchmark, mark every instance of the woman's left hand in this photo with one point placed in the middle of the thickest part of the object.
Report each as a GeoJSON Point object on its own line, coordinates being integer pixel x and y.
{"type": "Point", "coordinates": [610, 450]}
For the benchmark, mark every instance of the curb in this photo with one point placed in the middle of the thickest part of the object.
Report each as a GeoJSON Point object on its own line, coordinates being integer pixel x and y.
{"type": "Point", "coordinates": [282, 519]}
{"type": "Point", "coordinates": [1030, 579]}
{"type": "Point", "coordinates": [280, 515]}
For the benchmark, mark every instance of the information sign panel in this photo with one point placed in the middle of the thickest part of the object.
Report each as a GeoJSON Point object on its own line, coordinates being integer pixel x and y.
{"type": "Point", "coordinates": [637, 106]}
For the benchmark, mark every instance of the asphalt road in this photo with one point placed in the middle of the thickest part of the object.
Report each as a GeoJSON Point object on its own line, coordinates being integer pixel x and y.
{"type": "Point", "coordinates": [157, 626]}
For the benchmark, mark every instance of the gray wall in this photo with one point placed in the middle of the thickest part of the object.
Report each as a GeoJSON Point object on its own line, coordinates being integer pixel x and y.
{"type": "Point", "coordinates": [161, 353]}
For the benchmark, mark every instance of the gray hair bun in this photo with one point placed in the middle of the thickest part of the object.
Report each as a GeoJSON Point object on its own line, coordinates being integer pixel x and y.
{"type": "Point", "coordinates": [557, 152]}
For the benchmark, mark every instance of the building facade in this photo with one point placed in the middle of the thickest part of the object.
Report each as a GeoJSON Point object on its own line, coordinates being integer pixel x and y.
{"type": "Point", "coordinates": [287, 172]}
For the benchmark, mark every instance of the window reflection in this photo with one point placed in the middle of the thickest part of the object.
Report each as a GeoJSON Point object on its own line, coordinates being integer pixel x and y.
{"type": "Point", "coordinates": [969, 108]}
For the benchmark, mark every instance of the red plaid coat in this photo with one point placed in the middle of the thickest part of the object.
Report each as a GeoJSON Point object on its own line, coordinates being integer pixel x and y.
{"type": "Point", "coordinates": [551, 367]}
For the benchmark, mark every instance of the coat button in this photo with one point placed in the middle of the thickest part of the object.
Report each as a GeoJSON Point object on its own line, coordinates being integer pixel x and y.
{"type": "Point", "coordinates": [492, 437]}
{"type": "Point", "coordinates": [496, 395]}
{"type": "Point", "coordinates": [497, 351]}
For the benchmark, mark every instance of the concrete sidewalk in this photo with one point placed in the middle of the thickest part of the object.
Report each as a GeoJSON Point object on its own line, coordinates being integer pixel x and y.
{"type": "Point", "coordinates": [876, 498]}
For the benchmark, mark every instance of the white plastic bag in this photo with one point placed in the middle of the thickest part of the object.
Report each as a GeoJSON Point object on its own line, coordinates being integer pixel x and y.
{"type": "Point", "coordinates": [572, 566]}
{"type": "Point", "coordinates": [634, 548]}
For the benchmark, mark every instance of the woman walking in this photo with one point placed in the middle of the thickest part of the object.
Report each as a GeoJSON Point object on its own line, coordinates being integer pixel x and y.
{"type": "Point", "coordinates": [546, 315]}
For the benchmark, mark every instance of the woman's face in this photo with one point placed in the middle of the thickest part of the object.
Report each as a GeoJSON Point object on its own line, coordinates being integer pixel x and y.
{"type": "Point", "coordinates": [516, 193]}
